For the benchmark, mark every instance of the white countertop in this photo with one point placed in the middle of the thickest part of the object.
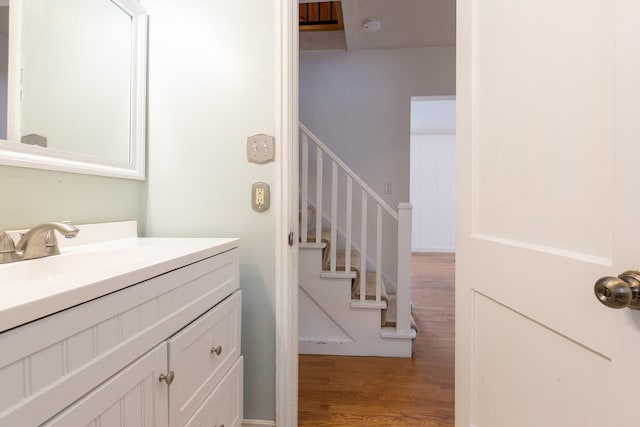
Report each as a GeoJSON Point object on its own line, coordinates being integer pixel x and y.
{"type": "Point", "coordinates": [90, 266]}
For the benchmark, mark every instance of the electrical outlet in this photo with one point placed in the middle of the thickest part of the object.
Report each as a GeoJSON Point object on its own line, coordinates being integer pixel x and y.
{"type": "Point", "coordinates": [260, 148]}
{"type": "Point", "coordinates": [260, 196]}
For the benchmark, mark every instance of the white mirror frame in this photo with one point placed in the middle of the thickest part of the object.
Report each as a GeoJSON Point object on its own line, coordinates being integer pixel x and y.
{"type": "Point", "coordinates": [13, 153]}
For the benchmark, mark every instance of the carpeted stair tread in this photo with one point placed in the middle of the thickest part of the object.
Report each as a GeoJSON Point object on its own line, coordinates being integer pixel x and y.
{"type": "Point", "coordinates": [341, 264]}
{"type": "Point", "coordinates": [341, 260]}
{"type": "Point", "coordinates": [390, 314]}
{"type": "Point", "coordinates": [325, 237]}
{"type": "Point", "coordinates": [355, 267]}
{"type": "Point", "coordinates": [370, 294]}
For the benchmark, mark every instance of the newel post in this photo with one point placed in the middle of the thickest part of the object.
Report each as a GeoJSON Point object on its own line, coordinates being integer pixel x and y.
{"type": "Point", "coordinates": [404, 269]}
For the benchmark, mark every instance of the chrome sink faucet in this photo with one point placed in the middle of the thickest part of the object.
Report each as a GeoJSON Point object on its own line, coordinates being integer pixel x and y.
{"type": "Point", "coordinates": [38, 242]}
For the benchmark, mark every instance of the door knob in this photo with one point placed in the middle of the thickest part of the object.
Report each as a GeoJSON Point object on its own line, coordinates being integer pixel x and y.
{"type": "Point", "coordinates": [619, 292]}
{"type": "Point", "coordinates": [168, 378]}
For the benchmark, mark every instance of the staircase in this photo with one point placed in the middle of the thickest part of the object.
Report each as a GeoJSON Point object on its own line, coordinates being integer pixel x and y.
{"type": "Point", "coordinates": [338, 261]}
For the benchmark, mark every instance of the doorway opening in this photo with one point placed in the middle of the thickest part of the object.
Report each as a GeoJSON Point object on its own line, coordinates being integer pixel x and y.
{"type": "Point", "coordinates": [432, 173]}
{"type": "Point", "coordinates": [346, 390]}
{"type": "Point", "coordinates": [364, 91]}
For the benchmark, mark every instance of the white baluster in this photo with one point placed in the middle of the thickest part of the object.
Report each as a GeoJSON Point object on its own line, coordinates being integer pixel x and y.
{"type": "Point", "coordinates": [334, 215]}
{"type": "Point", "coordinates": [379, 255]}
{"type": "Point", "coordinates": [348, 171]}
{"type": "Point", "coordinates": [363, 249]}
{"type": "Point", "coordinates": [402, 216]}
{"type": "Point", "coordinates": [304, 202]}
{"type": "Point", "coordinates": [318, 195]}
{"type": "Point", "coordinates": [349, 208]}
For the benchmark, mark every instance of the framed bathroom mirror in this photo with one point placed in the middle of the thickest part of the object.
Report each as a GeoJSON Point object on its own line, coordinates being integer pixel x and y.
{"type": "Point", "coordinates": [76, 86]}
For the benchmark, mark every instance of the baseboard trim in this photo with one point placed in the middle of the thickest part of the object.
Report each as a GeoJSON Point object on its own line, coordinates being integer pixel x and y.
{"type": "Point", "coordinates": [381, 347]}
{"type": "Point", "coordinates": [434, 250]}
{"type": "Point", "coordinates": [261, 423]}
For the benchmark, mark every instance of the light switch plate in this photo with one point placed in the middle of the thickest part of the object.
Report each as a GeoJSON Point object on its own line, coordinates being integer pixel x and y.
{"type": "Point", "coordinates": [260, 148]}
{"type": "Point", "coordinates": [260, 196]}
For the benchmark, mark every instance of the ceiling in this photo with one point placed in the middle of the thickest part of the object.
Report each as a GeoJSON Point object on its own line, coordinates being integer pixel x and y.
{"type": "Point", "coordinates": [404, 24]}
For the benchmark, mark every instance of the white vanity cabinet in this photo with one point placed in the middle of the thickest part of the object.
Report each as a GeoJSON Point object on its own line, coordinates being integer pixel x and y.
{"type": "Point", "coordinates": [132, 397]}
{"type": "Point", "coordinates": [99, 363]}
{"type": "Point", "coordinates": [200, 356]}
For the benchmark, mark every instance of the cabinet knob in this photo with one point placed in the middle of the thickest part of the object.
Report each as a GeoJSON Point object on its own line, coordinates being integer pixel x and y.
{"type": "Point", "coordinates": [217, 350]}
{"type": "Point", "coordinates": [168, 378]}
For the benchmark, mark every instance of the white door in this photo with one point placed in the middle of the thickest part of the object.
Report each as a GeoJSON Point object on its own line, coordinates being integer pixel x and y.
{"type": "Point", "coordinates": [548, 202]}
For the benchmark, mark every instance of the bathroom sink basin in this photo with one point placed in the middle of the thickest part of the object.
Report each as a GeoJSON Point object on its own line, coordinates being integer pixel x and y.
{"type": "Point", "coordinates": [35, 288]}
{"type": "Point", "coordinates": [72, 266]}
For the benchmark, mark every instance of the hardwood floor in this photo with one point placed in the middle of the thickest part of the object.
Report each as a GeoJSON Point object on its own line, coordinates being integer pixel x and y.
{"type": "Point", "coordinates": [374, 391]}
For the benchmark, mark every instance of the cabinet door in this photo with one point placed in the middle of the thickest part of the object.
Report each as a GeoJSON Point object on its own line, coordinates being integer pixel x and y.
{"type": "Point", "coordinates": [201, 354]}
{"type": "Point", "coordinates": [133, 397]}
{"type": "Point", "coordinates": [223, 406]}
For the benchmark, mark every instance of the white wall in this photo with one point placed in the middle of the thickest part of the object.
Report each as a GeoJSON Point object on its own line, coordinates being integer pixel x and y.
{"type": "Point", "coordinates": [358, 103]}
{"type": "Point", "coordinates": [35, 196]}
{"type": "Point", "coordinates": [361, 100]}
{"type": "Point", "coordinates": [211, 84]}
{"type": "Point", "coordinates": [433, 192]}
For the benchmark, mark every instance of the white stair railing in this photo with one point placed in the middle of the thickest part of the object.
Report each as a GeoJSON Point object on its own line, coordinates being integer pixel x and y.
{"type": "Point", "coordinates": [402, 219]}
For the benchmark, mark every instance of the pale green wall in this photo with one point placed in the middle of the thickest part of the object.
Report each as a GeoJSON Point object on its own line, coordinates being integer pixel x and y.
{"type": "Point", "coordinates": [212, 84]}
{"type": "Point", "coordinates": [212, 75]}
{"type": "Point", "coordinates": [31, 196]}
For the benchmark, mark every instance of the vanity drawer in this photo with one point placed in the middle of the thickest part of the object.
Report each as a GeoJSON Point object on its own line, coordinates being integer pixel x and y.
{"type": "Point", "coordinates": [201, 354]}
{"type": "Point", "coordinates": [223, 406]}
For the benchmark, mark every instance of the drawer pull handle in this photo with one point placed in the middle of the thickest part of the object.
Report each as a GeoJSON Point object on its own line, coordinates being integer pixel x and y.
{"type": "Point", "coordinates": [217, 350]}
{"type": "Point", "coordinates": [167, 378]}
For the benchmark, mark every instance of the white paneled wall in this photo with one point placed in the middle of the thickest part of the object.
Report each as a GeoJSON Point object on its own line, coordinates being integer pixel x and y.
{"type": "Point", "coordinates": [433, 192]}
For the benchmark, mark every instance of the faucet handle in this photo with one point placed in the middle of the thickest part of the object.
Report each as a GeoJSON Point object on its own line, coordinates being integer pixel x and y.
{"type": "Point", "coordinates": [50, 239]}
{"type": "Point", "coordinates": [7, 248]}
{"type": "Point", "coordinates": [6, 242]}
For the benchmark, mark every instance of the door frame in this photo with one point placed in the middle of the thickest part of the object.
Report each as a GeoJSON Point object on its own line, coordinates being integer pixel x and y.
{"type": "Point", "coordinates": [286, 288]}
